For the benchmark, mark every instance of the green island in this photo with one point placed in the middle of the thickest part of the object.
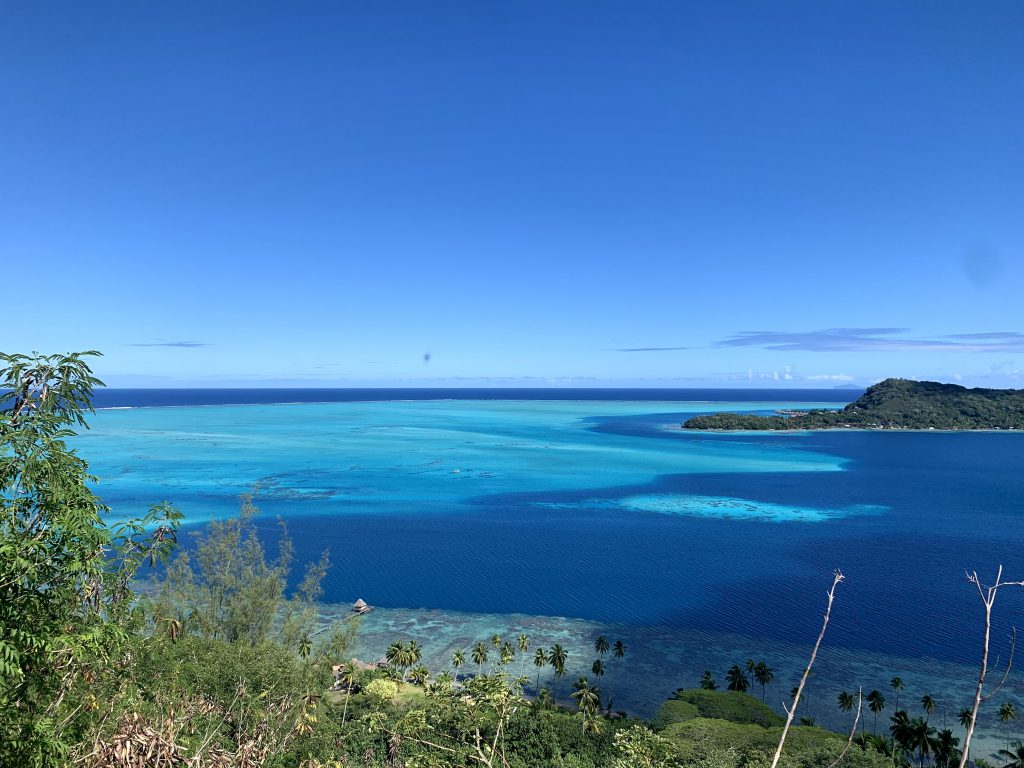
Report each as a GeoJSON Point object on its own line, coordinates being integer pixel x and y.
{"type": "Point", "coordinates": [892, 404]}
{"type": "Point", "coordinates": [120, 648]}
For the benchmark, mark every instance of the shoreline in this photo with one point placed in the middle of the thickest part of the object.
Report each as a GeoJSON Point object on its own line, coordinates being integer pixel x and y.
{"type": "Point", "coordinates": [659, 660]}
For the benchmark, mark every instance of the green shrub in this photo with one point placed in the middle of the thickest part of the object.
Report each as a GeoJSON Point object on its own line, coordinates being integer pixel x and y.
{"type": "Point", "coordinates": [733, 706]}
{"type": "Point", "coordinates": [381, 690]}
{"type": "Point", "coordinates": [674, 711]}
{"type": "Point", "coordinates": [707, 741]}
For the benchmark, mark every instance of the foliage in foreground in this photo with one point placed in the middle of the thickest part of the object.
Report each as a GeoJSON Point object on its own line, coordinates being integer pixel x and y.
{"type": "Point", "coordinates": [68, 620]}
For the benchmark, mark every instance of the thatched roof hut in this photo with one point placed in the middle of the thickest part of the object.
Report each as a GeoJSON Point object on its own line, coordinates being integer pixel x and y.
{"type": "Point", "coordinates": [360, 606]}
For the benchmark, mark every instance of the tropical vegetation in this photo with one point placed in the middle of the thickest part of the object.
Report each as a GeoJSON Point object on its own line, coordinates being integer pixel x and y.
{"type": "Point", "coordinates": [892, 404]}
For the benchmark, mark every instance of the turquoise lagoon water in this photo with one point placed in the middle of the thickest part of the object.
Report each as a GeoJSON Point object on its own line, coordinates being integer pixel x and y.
{"type": "Point", "coordinates": [567, 519]}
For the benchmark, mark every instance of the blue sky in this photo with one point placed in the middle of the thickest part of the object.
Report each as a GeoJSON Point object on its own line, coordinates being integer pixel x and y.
{"type": "Point", "coordinates": [591, 193]}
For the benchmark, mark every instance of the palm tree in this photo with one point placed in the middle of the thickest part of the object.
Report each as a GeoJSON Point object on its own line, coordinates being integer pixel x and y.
{"type": "Point", "coordinates": [1007, 712]}
{"type": "Point", "coordinates": [1014, 759]}
{"type": "Point", "coordinates": [544, 700]}
{"type": "Point", "coordinates": [496, 645]}
{"type": "Point", "coordinates": [587, 699]}
{"type": "Point", "coordinates": [419, 674]}
{"type": "Point", "coordinates": [413, 653]}
{"type": "Point", "coordinates": [395, 654]}
{"type": "Point", "coordinates": [347, 677]}
{"type": "Point", "coordinates": [601, 645]}
{"type": "Point", "coordinates": [305, 647]}
{"type": "Point", "coordinates": [928, 705]}
{"type": "Point", "coordinates": [965, 717]}
{"type": "Point", "coordinates": [736, 679]}
{"type": "Point", "coordinates": [763, 674]}
{"type": "Point", "coordinates": [921, 738]}
{"type": "Point", "coordinates": [618, 651]}
{"type": "Point", "coordinates": [845, 701]}
{"type": "Point", "coordinates": [508, 653]}
{"type": "Point", "coordinates": [751, 665]}
{"type": "Point", "coordinates": [901, 730]}
{"type": "Point", "coordinates": [597, 667]}
{"type": "Point", "coordinates": [882, 745]}
{"type": "Point", "coordinates": [557, 658]}
{"type": "Point", "coordinates": [444, 680]}
{"type": "Point", "coordinates": [707, 682]}
{"type": "Point", "coordinates": [524, 645]}
{"type": "Point", "coordinates": [897, 685]}
{"type": "Point", "coordinates": [876, 703]}
{"type": "Point", "coordinates": [458, 659]}
{"type": "Point", "coordinates": [402, 656]}
{"type": "Point", "coordinates": [944, 749]}
{"type": "Point", "coordinates": [480, 655]}
{"type": "Point", "coordinates": [540, 660]}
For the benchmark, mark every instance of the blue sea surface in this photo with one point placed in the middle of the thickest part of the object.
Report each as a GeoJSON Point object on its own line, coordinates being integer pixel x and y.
{"type": "Point", "coordinates": [594, 505]}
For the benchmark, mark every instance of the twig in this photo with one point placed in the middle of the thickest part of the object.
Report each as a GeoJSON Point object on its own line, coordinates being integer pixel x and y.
{"type": "Point", "coordinates": [853, 730]}
{"type": "Point", "coordinates": [791, 711]}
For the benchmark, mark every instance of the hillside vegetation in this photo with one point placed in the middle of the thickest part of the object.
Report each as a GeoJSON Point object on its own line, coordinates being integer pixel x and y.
{"type": "Point", "coordinates": [893, 404]}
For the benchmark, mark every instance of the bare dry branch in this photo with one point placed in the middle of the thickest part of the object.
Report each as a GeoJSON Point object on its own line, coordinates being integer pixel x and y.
{"type": "Point", "coordinates": [837, 577]}
{"type": "Point", "coordinates": [987, 593]}
{"type": "Point", "coordinates": [853, 730]}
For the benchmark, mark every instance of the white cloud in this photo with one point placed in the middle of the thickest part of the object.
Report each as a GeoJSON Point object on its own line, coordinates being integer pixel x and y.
{"type": "Point", "coordinates": [830, 377]}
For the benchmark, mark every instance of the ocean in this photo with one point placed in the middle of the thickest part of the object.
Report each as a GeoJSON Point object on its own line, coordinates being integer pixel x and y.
{"type": "Point", "coordinates": [572, 513]}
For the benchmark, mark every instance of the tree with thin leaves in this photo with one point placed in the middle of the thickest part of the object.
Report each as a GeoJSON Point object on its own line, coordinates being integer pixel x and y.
{"type": "Point", "coordinates": [458, 659]}
{"type": "Point", "coordinates": [588, 700]}
{"type": "Point", "coordinates": [479, 655]}
{"type": "Point", "coordinates": [763, 674]}
{"type": "Point", "coordinates": [876, 703]}
{"type": "Point", "coordinates": [540, 660]}
{"type": "Point", "coordinates": [557, 658]}
{"type": "Point", "coordinates": [964, 717]}
{"type": "Point", "coordinates": [413, 653]}
{"type": "Point", "coordinates": [523, 641]}
{"type": "Point", "coordinates": [897, 685]}
{"type": "Point", "coordinates": [736, 679]}
{"type": "Point", "coordinates": [928, 705]}
{"type": "Point", "coordinates": [601, 645]}
{"type": "Point", "coordinates": [944, 749]}
{"type": "Point", "coordinates": [1007, 714]}
{"type": "Point", "coordinates": [507, 654]}
{"type": "Point", "coordinates": [845, 701]}
{"type": "Point", "coordinates": [707, 681]}
{"type": "Point", "coordinates": [1014, 758]}
{"type": "Point", "coordinates": [419, 674]}
{"type": "Point", "coordinates": [347, 676]}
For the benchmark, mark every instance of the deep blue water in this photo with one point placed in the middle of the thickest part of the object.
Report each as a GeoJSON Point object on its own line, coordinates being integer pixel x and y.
{"type": "Point", "coordinates": [953, 505]}
{"type": "Point", "coordinates": [592, 504]}
{"type": "Point", "coordinates": [108, 398]}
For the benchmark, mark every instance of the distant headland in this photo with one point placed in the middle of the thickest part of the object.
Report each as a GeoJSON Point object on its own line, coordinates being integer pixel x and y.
{"type": "Point", "coordinates": [892, 404]}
